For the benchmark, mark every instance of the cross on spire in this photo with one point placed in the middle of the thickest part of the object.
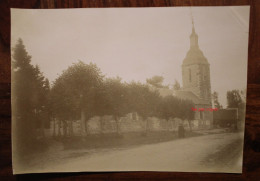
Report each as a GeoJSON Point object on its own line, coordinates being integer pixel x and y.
{"type": "Point", "coordinates": [193, 36]}
{"type": "Point", "coordinates": [192, 21]}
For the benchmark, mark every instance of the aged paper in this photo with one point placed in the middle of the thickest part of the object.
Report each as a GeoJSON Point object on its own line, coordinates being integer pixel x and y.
{"type": "Point", "coordinates": [129, 89]}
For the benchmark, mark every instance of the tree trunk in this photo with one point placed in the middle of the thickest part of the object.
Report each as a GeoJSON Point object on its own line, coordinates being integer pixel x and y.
{"type": "Point", "coordinates": [168, 126]}
{"type": "Point", "coordinates": [83, 123]}
{"type": "Point", "coordinates": [86, 127]}
{"type": "Point", "coordinates": [101, 123]}
{"type": "Point", "coordinates": [117, 125]}
{"type": "Point", "coordinates": [189, 121]}
{"type": "Point", "coordinates": [71, 128]}
{"type": "Point", "coordinates": [54, 128]}
{"type": "Point", "coordinates": [42, 128]}
{"type": "Point", "coordinates": [65, 128]}
{"type": "Point", "coordinates": [146, 125]}
{"type": "Point", "coordinates": [59, 126]}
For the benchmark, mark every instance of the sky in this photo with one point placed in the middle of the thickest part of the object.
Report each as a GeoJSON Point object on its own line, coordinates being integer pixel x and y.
{"type": "Point", "coordinates": [137, 43]}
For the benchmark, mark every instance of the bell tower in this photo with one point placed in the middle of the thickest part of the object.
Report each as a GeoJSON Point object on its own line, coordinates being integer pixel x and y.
{"type": "Point", "coordinates": [196, 70]}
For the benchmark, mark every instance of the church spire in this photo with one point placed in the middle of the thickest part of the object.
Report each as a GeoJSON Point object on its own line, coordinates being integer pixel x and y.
{"type": "Point", "coordinates": [194, 55]}
{"type": "Point", "coordinates": [192, 21]}
{"type": "Point", "coordinates": [193, 37]}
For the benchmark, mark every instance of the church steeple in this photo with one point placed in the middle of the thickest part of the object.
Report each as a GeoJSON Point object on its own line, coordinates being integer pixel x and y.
{"type": "Point", "coordinates": [196, 75]}
{"type": "Point", "coordinates": [196, 70]}
{"type": "Point", "coordinates": [193, 37]}
{"type": "Point", "coordinates": [194, 55]}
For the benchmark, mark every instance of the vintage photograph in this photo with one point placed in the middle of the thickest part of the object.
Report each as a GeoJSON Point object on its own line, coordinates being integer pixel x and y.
{"type": "Point", "coordinates": [129, 89]}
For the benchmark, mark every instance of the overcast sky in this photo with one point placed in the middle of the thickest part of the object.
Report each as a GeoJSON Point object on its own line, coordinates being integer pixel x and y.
{"type": "Point", "coordinates": [137, 43]}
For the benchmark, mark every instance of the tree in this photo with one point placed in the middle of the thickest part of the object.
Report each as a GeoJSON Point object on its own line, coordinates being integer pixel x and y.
{"type": "Point", "coordinates": [40, 98]}
{"type": "Point", "coordinates": [167, 108]}
{"type": "Point", "coordinates": [101, 103]}
{"type": "Point", "coordinates": [171, 107]}
{"type": "Point", "coordinates": [176, 85]}
{"type": "Point", "coordinates": [116, 99]}
{"type": "Point", "coordinates": [186, 106]}
{"type": "Point", "coordinates": [243, 105]}
{"type": "Point", "coordinates": [22, 102]}
{"type": "Point", "coordinates": [29, 97]}
{"type": "Point", "coordinates": [234, 99]}
{"type": "Point", "coordinates": [156, 81]}
{"type": "Point", "coordinates": [143, 101]}
{"type": "Point", "coordinates": [243, 95]}
{"type": "Point", "coordinates": [73, 93]}
{"type": "Point", "coordinates": [215, 100]}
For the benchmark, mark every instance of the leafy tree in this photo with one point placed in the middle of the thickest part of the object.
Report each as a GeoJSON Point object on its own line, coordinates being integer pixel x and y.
{"type": "Point", "coordinates": [237, 100]}
{"type": "Point", "coordinates": [243, 95]}
{"type": "Point", "coordinates": [187, 113]}
{"type": "Point", "coordinates": [73, 93]}
{"type": "Point", "coordinates": [100, 104]}
{"type": "Point", "coordinates": [171, 107]}
{"type": "Point", "coordinates": [156, 81]}
{"type": "Point", "coordinates": [167, 108]}
{"type": "Point", "coordinates": [176, 86]}
{"type": "Point", "coordinates": [215, 100]}
{"type": "Point", "coordinates": [116, 97]}
{"type": "Point", "coordinates": [234, 99]}
{"type": "Point", "coordinates": [143, 101]}
{"type": "Point", "coordinates": [242, 111]}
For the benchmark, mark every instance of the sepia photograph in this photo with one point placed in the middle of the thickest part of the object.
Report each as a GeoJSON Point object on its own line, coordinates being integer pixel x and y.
{"type": "Point", "coordinates": [129, 89]}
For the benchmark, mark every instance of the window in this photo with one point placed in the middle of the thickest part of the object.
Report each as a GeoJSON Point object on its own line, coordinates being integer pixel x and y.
{"type": "Point", "coordinates": [204, 73]}
{"type": "Point", "coordinates": [190, 75]}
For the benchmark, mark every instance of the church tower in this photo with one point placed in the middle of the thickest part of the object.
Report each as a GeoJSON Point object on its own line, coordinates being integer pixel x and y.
{"type": "Point", "coordinates": [196, 70]}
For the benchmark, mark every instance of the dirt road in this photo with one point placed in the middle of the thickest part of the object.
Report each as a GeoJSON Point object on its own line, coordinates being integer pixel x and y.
{"type": "Point", "coordinates": [208, 153]}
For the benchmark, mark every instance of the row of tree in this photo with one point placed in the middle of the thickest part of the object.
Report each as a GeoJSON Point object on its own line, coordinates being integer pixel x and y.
{"type": "Point", "coordinates": [80, 92]}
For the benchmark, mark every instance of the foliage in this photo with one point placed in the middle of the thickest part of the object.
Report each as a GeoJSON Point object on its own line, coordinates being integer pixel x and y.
{"type": "Point", "coordinates": [176, 85]}
{"type": "Point", "coordinates": [74, 90]}
{"type": "Point", "coordinates": [156, 81]}
{"type": "Point", "coordinates": [185, 110]}
{"type": "Point", "coordinates": [142, 100]}
{"type": "Point", "coordinates": [30, 90]}
{"type": "Point", "coordinates": [116, 97]}
{"type": "Point", "coordinates": [215, 100]}
{"type": "Point", "coordinates": [82, 92]}
{"type": "Point", "coordinates": [236, 99]}
{"type": "Point", "coordinates": [172, 107]}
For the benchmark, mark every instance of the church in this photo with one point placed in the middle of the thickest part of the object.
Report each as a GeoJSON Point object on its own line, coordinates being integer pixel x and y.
{"type": "Point", "coordinates": [195, 81]}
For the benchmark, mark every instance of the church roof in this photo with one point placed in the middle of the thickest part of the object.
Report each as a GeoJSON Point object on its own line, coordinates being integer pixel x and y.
{"type": "Point", "coordinates": [162, 91]}
{"type": "Point", "coordinates": [185, 95]}
{"type": "Point", "coordinates": [188, 95]}
{"type": "Point", "coordinates": [165, 92]}
{"type": "Point", "coordinates": [194, 55]}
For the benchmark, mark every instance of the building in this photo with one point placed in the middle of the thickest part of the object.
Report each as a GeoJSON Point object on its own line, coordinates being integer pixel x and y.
{"type": "Point", "coordinates": [196, 79]}
{"type": "Point", "coordinates": [196, 82]}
